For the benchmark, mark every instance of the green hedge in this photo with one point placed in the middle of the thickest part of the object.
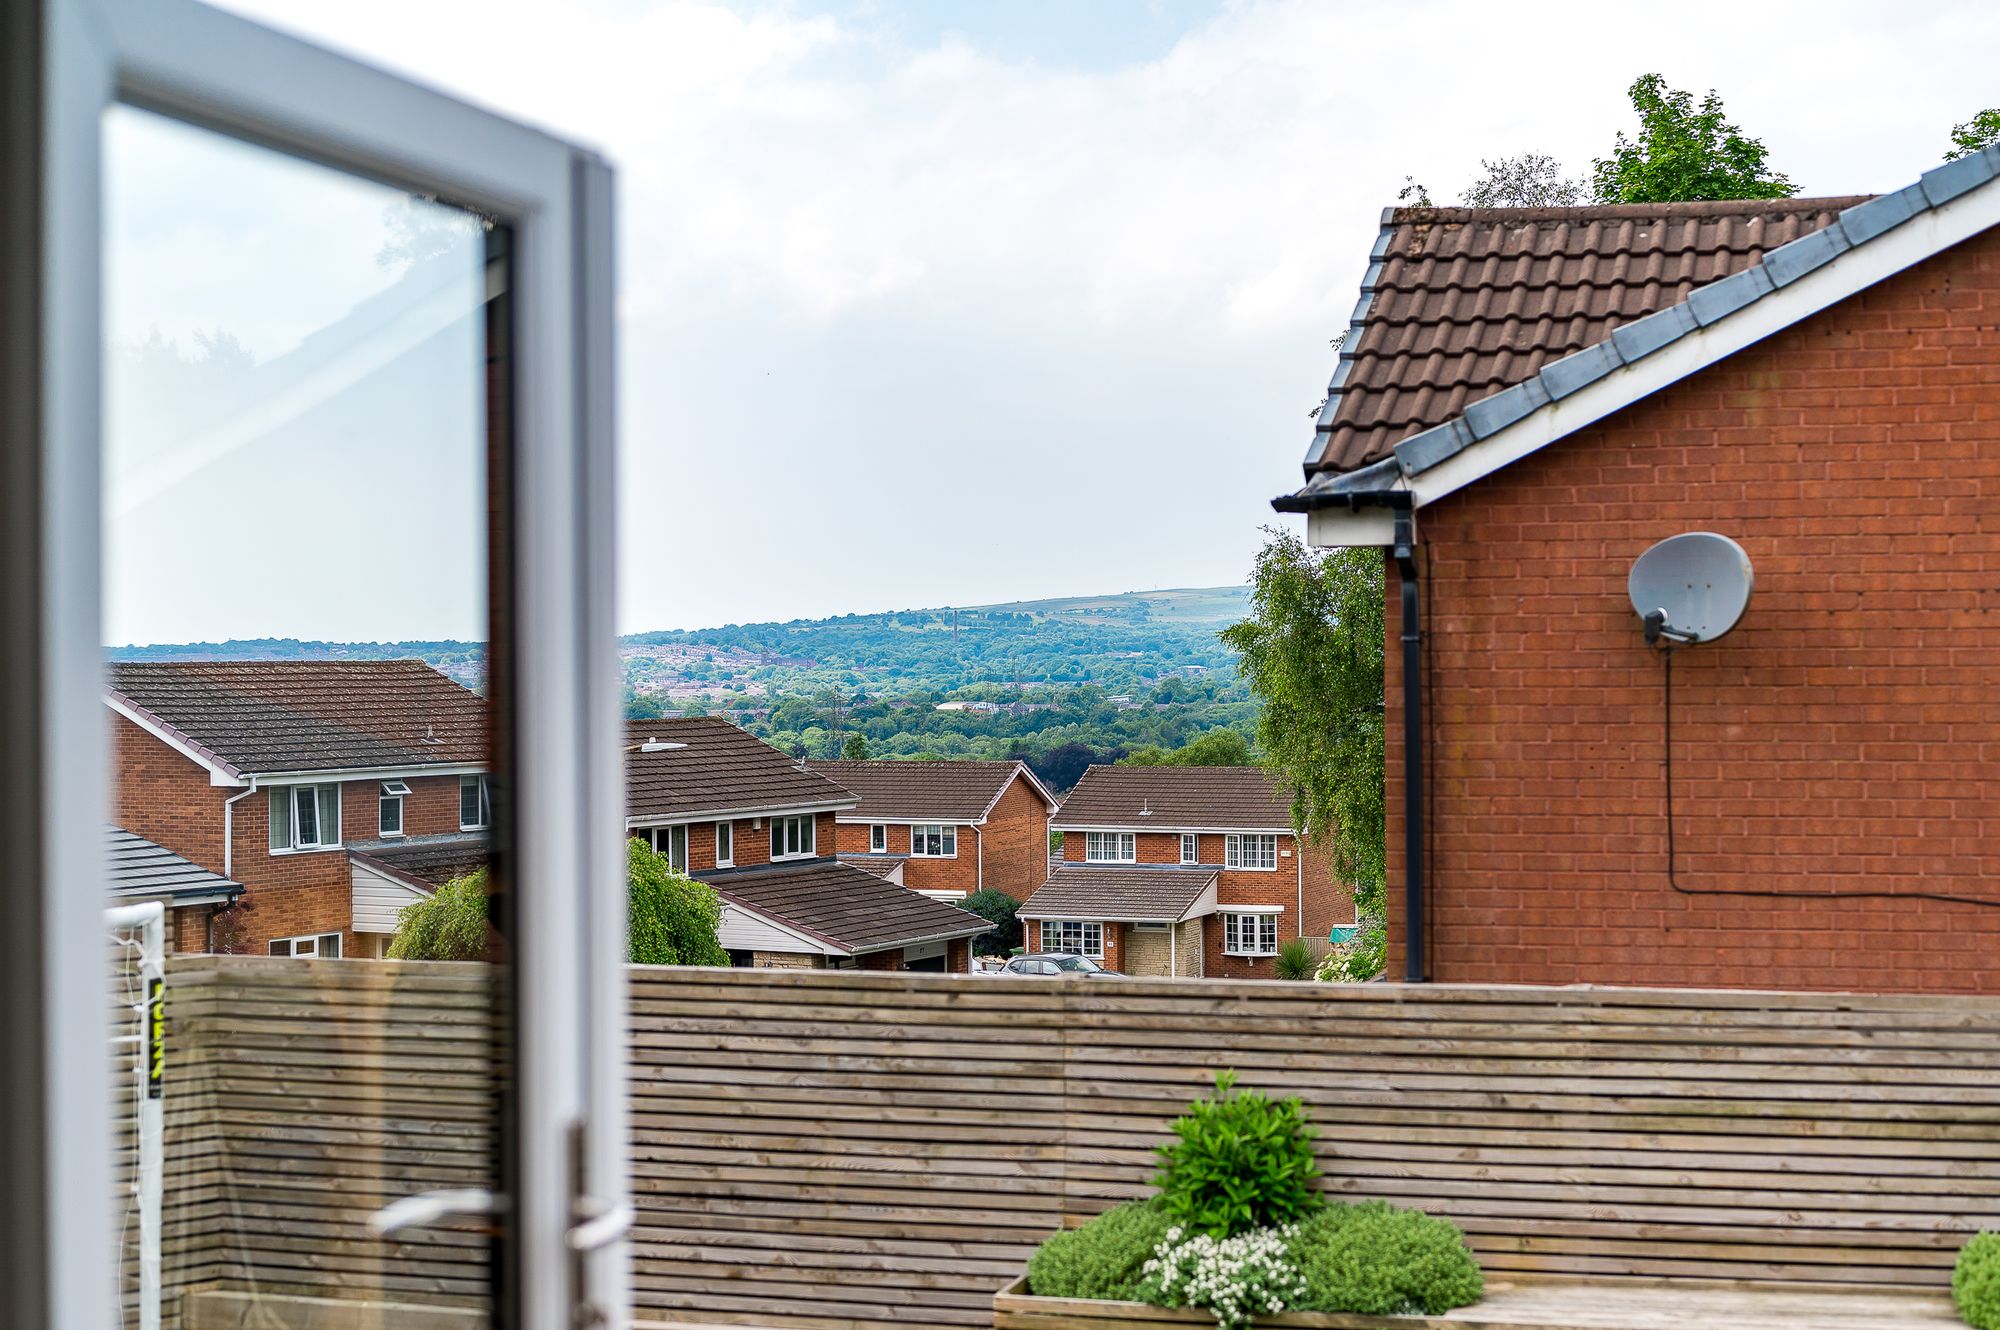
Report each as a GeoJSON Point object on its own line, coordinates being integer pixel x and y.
{"type": "Point", "coordinates": [1101, 1259]}
{"type": "Point", "coordinates": [1379, 1260]}
{"type": "Point", "coordinates": [1975, 1282]}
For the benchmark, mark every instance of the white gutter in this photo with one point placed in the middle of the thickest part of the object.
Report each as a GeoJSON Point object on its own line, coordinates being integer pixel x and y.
{"type": "Point", "coordinates": [229, 827]}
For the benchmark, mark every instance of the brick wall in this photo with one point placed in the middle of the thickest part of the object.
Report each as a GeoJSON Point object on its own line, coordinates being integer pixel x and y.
{"type": "Point", "coordinates": [1016, 839]}
{"type": "Point", "coordinates": [1843, 738]}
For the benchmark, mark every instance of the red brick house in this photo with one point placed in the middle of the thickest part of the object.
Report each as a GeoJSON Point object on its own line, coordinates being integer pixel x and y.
{"type": "Point", "coordinates": [320, 786]}
{"type": "Point", "coordinates": [138, 870]}
{"type": "Point", "coordinates": [729, 809]}
{"type": "Point", "coordinates": [1182, 871]}
{"type": "Point", "coordinates": [950, 828]}
{"type": "Point", "coordinates": [1527, 400]}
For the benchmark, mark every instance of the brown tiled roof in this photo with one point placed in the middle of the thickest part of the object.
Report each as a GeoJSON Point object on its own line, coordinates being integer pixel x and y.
{"type": "Point", "coordinates": [1461, 303]}
{"type": "Point", "coordinates": [433, 860]}
{"type": "Point", "coordinates": [715, 768]}
{"type": "Point", "coordinates": [923, 791]}
{"type": "Point", "coordinates": [1145, 895]}
{"type": "Point", "coordinates": [875, 865]}
{"type": "Point", "coordinates": [843, 906]}
{"type": "Point", "coordinates": [310, 715]}
{"type": "Point", "coordinates": [1177, 799]}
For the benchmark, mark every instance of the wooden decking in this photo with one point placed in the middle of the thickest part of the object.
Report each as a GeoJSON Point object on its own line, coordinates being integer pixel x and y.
{"type": "Point", "coordinates": [1554, 1304]}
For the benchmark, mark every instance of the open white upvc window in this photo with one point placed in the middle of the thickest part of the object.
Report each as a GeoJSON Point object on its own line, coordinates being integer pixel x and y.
{"type": "Point", "coordinates": [69, 68]}
{"type": "Point", "coordinates": [475, 803]}
{"type": "Point", "coordinates": [389, 815]}
{"type": "Point", "coordinates": [305, 817]}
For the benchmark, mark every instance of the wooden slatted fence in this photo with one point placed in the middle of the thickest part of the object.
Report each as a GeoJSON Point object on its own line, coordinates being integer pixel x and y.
{"type": "Point", "coordinates": [824, 1149]}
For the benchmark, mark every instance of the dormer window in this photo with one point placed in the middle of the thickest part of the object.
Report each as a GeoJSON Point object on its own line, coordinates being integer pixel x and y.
{"type": "Point", "coordinates": [1110, 847]}
{"type": "Point", "coordinates": [389, 821]}
{"type": "Point", "coordinates": [792, 837]}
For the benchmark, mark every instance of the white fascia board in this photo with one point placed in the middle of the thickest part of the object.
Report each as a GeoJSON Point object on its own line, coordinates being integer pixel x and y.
{"type": "Point", "coordinates": [1924, 236]}
{"type": "Point", "coordinates": [852, 821]}
{"type": "Point", "coordinates": [1329, 528]}
{"type": "Point", "coordinates": [1171, 830]}
{"type": "Point", "coordinates": [901, 943]}
{"type": "Point", "coordinates": [219, 771]}
{"type": "Point", "coordinates": [731, 815]}
{"type": "Point", "coordinates": [340, 774]}
{"type": "Point", "coordinates": [1034, 783]}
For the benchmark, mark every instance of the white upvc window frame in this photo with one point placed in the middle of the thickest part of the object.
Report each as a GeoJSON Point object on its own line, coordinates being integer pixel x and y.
{"type": "Point", "coordinates": [72, 61]}
{"type": "Point", "coordinates": [295, 806]}
{"type": "Point", "coordinates": [1234, 844]}
{"type": "Point", "coordinates": [1124, 847]}
{"type": "Point", "coordinates": [1083, 932]}
{"type": "Point", "coordinates": [1262, 921]}
{"type": "Point", "coordinates": [392, 792]}
{"type": "Point", "coordinates": [781, 836]}
{"type": "Point", "coordinates": [672, 841]}
{"type": "Point", "coordinates": [307, 946]}
{"type": "Point", "coordinates": [943, 834]}
{"type": "Point", "coordinates": [483, 805]}
{"type": "Point", "coordinates": [878, 838]}
{"type": "Point", "coordinates": [725, 844]}
{"type": "Point", "coordinates": [1190, 847]}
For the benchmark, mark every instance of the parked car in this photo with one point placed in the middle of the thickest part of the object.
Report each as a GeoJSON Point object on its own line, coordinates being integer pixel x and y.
{"type": "Point", "coordinates": [1054, 964]}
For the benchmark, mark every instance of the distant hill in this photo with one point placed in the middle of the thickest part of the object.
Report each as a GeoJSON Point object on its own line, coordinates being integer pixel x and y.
{"type": "Point", "coordinates": [1220, 605]}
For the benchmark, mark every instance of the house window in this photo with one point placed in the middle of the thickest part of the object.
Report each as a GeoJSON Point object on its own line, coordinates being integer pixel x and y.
{"type": "Point", "coordinates": [1110, 847]}
{"type": "Point", "coordinates": [934, 841]}
{"type": "Point", "coordinates": [672, 842]}
{"type": "Point", "coordinates": [390, 820]}
{"type": "Point", "coordinates": [475, 804]}
{"type": "Point", "coordinates": [725, 844]}
{"type": "Point", "coordinates": [1190, 848]}
{"type": "Point", "coordinates": [878, 839]}
{"type": "Point", "coordinates": [1250, 934]}
{"type": "Point", "coordinates": [1071, 936]}
{"type": "Point", "coordinates": [792, 837]}
{"type": "Point", "coordinates": [1250, 852]}
{"type": "Point", "coordinates": [326, 946]}
{"type": "Point", "coordinates": [305, 817]}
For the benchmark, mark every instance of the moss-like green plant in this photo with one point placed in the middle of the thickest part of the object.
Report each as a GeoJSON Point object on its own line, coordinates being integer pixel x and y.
{"type": "Point", "coordinates": [1242, 1161]}
{"type": "Point", "coordinates": [447, 925]}
{"type": "Point", "coordinates": [1103, 1259]}
{"type": "Point", "coordinates": [1379, 1260]}
{"type": "Point", "coordinates": [1975, 1282]}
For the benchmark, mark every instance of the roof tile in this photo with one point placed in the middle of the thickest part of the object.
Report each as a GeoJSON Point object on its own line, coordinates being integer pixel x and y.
{"type": "Point", "coordinates": [706, 765]}
{"type": "Point", "coordinates": [1177, 798]}
{"type": "Point", "coordinates": [844, 906]}
{"type": "Point", "coordinates": [922, 791]}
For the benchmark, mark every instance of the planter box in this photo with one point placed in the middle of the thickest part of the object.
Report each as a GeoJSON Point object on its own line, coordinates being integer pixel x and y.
{"type": "Point", "coordinates": [1014, 1308]}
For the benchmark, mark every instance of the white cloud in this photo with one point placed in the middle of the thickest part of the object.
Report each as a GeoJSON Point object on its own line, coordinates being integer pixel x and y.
{"type": "Point", "coordinates": [916, 325]}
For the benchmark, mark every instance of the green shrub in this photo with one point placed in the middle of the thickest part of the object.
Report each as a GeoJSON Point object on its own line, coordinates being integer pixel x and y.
{"type": "Point", "coordinates": [1975, 1282]}
{"type": "Point", "coordinates": [1242, 1161]}
{"type": "Point", "coordinates": [674, 919]}
{"type": "Point", "coordinates": [998, 908]}
{"type": "Point", "coordinates": [1379, 1260]}
{"type": "Point", "coordinates": [447, 925]}
{"type": "Point", "coordinates": [1103, 1259]}
{"type": "Point", "coordinates": [1295, 960]}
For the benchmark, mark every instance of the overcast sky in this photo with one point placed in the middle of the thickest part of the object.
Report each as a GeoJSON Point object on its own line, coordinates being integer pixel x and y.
{"type": "Point", "coordinates": [930, 304]}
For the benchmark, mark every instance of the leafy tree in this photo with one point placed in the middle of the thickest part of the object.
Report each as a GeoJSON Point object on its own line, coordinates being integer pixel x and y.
{"type": "Point", "coordinates": [1684, 152]}
{"type": "Point", "coordinates": [998, 908]}
{"type": "Point", "coordinates": [673, 919]}
{"type": "Point", "coordinates": [1532, 180]}
{"type": "Point", "coordinates": [856, 748]}
{"type": "Point", "coordinates": [641, 706]}
{"type": "Point", "coordinates": [448, 925]}
{"type": "Point", "coordinates": [1217, 748]}
{"type": "Point", "coordinates": [1312, 652]}
{"type": "Point", "coordinates": [1982, 131]}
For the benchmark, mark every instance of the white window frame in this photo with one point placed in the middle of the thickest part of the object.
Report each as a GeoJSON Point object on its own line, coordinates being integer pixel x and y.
{"type": "Point", "coordinates": [1124, 847]}
{"type": "Point", "coordinates": [944, 833]}
{"type": "Point", "coordinates": [878, 838]}
{"type": "Point", "coordinates": [1263, 926]}
{"type": "Point", "coordinates": [72, 61]}
{"type": "Point", "coordinates": [1190, 848]}
{"type": "Point", "coordinates": [484, 804]}
{"type": "Point", "coordinates": [1083, 930]}
{"type": "Point", "coordinates": [1236, 842]}
{"type": "Point", "coordinates": [671, 841]}
{"type": "Point", "coordinates": [391, 792]}
{"type": "Point", "coordinates": [725, 844]}
{"type": "Point", "coordinates": [295, 842]}
{"type": "Point", "coordinates": [781, 835]}
{"type": "Point", "coordinates": [307, 945]}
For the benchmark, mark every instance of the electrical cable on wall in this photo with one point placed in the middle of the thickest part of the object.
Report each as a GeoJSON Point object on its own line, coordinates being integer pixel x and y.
{"type": "Point", "coordinates": [1693, 588]}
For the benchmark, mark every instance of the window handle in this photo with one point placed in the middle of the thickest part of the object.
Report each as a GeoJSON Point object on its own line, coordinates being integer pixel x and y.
{"type": "Point", "coordinates": [601, 1224]}
{"type": "Point", "coordinates": [430, 1209]}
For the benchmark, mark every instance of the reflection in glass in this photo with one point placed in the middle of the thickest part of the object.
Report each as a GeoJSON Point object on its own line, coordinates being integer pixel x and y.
{"type": "Point", "coordinates": [304, 381]}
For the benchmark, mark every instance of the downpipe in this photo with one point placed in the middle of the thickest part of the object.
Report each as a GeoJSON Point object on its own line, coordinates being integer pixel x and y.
{"type": "Point", "coordinates": [1416, 971]}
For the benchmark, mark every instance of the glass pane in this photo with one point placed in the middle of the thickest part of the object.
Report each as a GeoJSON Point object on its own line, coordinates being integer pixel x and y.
{"type": "Point", "coordinates": [306, 383]}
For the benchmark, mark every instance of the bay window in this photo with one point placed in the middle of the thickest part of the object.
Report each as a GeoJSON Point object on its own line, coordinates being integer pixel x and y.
{"type": "Point", "coordinates": [1250, 934]}
{"type": "Point", "coordinates": [1070, 935]}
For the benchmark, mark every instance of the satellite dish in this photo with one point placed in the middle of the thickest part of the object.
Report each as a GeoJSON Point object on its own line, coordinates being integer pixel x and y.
{"type": "Point", "coordinates": [1691, 588]}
